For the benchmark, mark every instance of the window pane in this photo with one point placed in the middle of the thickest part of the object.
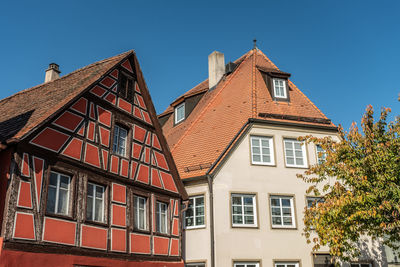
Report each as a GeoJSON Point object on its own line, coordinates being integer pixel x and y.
{"type": "Point", "coordinates": [236, 200]}
{"type": "Point", "coordinates": [90, 190]}
{"type": "Point", "coordinates": [248, 200]}
{"type": "Point", "coordinates": [99, 192]}
{"type": "Point", "coordinates": [276, 211]}
{"type": "Point", "coordinates": [237, 219]}
{"type": "Point", "coordinates": [297, 145]}
{"type": "Point", "coordinates": [266, 159]}
{"type": "Point", "coordinates": [64, 182]}
{"type": "Point", "coordinates": [256, 158]}
{"type": "Point", "coordinates": [51, 200]}
{"type": "Point", "coordinates": [200, 211]}
{"type": "Point", "coordinates": [98, 210]}
{"type": "Point", "coordinates": [290, 161]}
{"type": "Point", "coordinates": [256, 150]}
{"type": "Point", "coordinates": [248, 210]}
{"type": "Point", "coordinates": [248, 219]}
{"type": "Point", "coordinates": [62, 201]}
{"type": "Point", "coordinates": [189, 221]}
{"type": "Point", "coordinates": [237, 210]}
{"type": "Point", "coordinates": [287, 220]}
{"type": "Point", "coordinates": [200, 220]}
{"type": "Point", "coordinates": [89, 208]}
{"type": "Point", "coordinates": [53, 179]}
{"type": "Point", "coordinates": [285, 202]}
{"type": "Point", "coordinates": [275, 202]}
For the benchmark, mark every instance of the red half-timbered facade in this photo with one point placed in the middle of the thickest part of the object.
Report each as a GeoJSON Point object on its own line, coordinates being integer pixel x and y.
{"type": "Point", "coordinates": [86, 176]}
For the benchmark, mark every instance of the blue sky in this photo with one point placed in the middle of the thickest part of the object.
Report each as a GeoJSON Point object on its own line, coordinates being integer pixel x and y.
{"type": "Point", "coordinates": [343, 55]}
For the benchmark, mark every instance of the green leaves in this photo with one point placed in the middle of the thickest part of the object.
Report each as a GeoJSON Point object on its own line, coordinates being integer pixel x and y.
{"type": "Point", "coordinates": [360, 182]}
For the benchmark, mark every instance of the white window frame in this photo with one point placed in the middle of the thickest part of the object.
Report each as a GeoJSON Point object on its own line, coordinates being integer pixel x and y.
{"type": "Point", "coordinates": [137, 213]}
{"type": "Point", "coordinates": [160, 214]}
{"type": "Point", "coordinates": [117, 139]}
{"type": "Point", "coordinates": [182, 105]}
{"type": "Point", "coordinates": [243, 224]}
{"type": "Point", "coordinates": [57, 187]}
{"type": "Point", "coordinates": [271, 150]}
{"type": "Point", "coordinates": [320, 158]}
{"type": "Point", "coordinates": [246, 264]}
{"type": "Point", "coordinates": [292, 210]}
{"type": "Point", "coordinates": [286, 263]}
{"type": "Point", "coordinates": [284, 96]}
{"type": "Point", "coordinates": [195, 206]}
{"type": "Point", "coordinates": [303, 151]}
{"type": "Point", "coordinates": [94, 197]}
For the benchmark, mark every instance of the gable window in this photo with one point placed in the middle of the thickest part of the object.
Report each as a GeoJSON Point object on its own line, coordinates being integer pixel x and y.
{"type": "Point", "coordinates": [282, 212]}
{"type": "Point", "coordinates": [244, 210]}
{"type": "Point", "coordinates": [140, 212]}
{"type": "Point", "coordinates": [194, 215]}
{"type": "Point", "coordinates": [95, 202]}
{"type": "Point", "coordinates": [180, 112]}
{"type": "Point", "coordinates": [246, 264]}
{"type": "Point", "coordinates": [321, 154]}
{"type": "Point", "coordinates": [125, 89]}
{"type": "Point", "coordinates": [279, 88]}
{"type": "Point", "coordinates": [119, 143]}
{"type": "Point", "coordinates": [295, 153]}
{"type": "Point", "coordinates": [286, 264]}
{"type": "Point", "coordinates": [262, 150]}
{"type": "Point", "coordinates": [161, 217]}
{"type": "Point", "coordinates": [58, 193]}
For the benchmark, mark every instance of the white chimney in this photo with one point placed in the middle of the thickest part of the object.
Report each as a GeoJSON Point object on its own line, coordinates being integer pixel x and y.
{"type": "Point", "coordinates": [216, 68]}
{"type": "Point", "coordinates": [52, 72]}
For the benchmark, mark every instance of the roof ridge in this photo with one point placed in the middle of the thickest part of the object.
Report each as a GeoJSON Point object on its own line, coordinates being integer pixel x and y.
{"type": "Point", "coordinates": [65, 76]}
{"type": "Point", "coordinates": [209, 103]}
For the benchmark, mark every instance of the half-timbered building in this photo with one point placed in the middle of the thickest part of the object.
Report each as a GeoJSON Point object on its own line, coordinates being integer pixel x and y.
{"type": "Point", "coordinates": [86, 176]}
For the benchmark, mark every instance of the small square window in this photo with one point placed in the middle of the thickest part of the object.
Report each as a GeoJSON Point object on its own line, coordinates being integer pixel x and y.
{"type": "Point", "coordinates": [194, 215]}
{"type": "Point", "coordinates": [323, 260]}
{"type": "Point", "coordinates": [262, 150]}
{"type": "Point", "coordinates": [95, 202]}
{"type": "Point", "coordinates": [295, 153]}
{"type": "Point", "coordinates": [119, 141]}
{"type": "Point", "coordinates": [321, 154]}
{"type": "Point", "coordinates": [314, 201]}
{"type": "Point", "coordinates": [162, 217]}
{"type": "Point", "coordinates": [180, 113]}
{"type": "Point", "coordinates": [282, 212]}
{"type": "Point", "coordinates": [244, 210]}
{"type": "Point", "coordinates": [279, 88]}
{"type": "Point", "coordinates": [58, 193]}
{"type": "Point", "coordinates": [140, 212]}
{"type": "Point", "coordinates": [125, 87]}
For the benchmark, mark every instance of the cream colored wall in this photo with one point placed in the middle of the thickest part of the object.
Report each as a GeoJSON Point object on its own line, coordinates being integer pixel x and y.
{"type": "Point", "coordinates": [239, 175]}
{"type": "Point", "coordinates": [198, 248]}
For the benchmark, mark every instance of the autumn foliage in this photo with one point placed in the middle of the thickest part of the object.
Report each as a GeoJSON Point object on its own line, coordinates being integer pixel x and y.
{"type": "Point", "coordinates": [360, 185]}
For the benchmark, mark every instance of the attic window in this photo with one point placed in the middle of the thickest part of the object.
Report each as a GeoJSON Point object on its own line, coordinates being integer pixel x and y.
{"type": "Point", "coordinates": [180, 113]}
{"type": "Point", "coordinates": [279, 88]}
{"type": "Point", "coordinates": [126, 87]}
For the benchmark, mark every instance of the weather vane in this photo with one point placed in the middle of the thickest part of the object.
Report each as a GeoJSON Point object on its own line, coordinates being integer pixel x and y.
{"type": "Point", "coordinates": [255, 43]}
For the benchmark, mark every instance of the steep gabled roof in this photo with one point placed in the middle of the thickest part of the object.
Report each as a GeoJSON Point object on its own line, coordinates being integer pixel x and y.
{"type": "Point", "coordinates": [197, 142]}
{"type": "Point", "coordinates": [25, 110]}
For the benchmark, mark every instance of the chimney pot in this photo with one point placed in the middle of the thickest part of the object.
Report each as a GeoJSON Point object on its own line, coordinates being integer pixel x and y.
{"type": "Point", "coordinates": [52, 72]}
{"type": "Point", "coordinates": [216, 68]}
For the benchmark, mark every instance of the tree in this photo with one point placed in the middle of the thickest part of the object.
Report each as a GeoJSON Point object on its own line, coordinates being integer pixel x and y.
{"type": "Point", "coordinates": [360, 184]}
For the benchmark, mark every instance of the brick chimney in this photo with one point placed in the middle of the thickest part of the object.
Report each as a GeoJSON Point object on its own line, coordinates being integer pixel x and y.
{"type": "Point", "coordinates": [52, 72]}
{"type": "Point", "coordinates": [216, 68]}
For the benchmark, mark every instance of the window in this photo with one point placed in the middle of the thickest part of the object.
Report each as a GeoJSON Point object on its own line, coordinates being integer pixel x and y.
{"type": "Point", "coordinates": [360, 265]}
{"type": "Point", "coordinates": [243, 210]}
{"type": "Point", "coordinates": [323, 260]}
{"type": "Point", "coordinates": [262, 150]}
{"type": "Point", "coordinates": [161, 217]}
{"type": "Point", "coordinates": [286, 264]}
{"type": "Point", "coordinates": [180, 113]}
{"type": "Point", "coordinates": [246, 264]}
{"type": "Point", "coordinates": [140, 212]}
{"type": "Point", "coordinates": [58, 193]}
{"type": "Point", "coordinates": [282, 212]}
{"type": "Point", "coordinates": [321, 154]}
{"type": "Point", "coordinates": [95, 202]}
{"type": "Point", "coordinates": [314, 201]}
{"type": "Point", "coordinates": [126, 87]}
{"type": "Point", "coordinates": [280, 88]}
{"type": "Point", "coordinates": [194, 215]}
{"type": "Point", "coordinates": [195, 265]}
{"type": "Point", "coordinates": [295, 153]}
{"type": "Point", "coordinates": [119, 145]}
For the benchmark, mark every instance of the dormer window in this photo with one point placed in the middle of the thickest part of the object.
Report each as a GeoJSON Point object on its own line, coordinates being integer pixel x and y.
{"type": "Point", "coordinates": [180, 113]}
{"type": "Point", "coordinates": [279, 88]}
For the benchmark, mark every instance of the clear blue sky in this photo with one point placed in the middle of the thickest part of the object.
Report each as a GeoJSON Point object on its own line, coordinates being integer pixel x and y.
{"type": "Point", "coordinates": [342, 54]}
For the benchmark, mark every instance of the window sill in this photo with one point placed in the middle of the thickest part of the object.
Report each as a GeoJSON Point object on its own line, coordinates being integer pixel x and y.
{"type": "Point", "coordinates": [162, 234]}
{"type": "Point", "coordinates": [243, 226]}
{"type": "Point", "coordinates": [263, 164]}
{"type": "Point", "coordinates": [284, 227]}
{"type": "Point", "coordinates": [135, 230]}
{"type": "Point", "coordinates": [195, 227]}
{"type": "Point", "coordinates": [60, 216]}
{"type": "Point", "coordinates": [296, 167]}
{"type": "Point", "coordinates": [102, 224]}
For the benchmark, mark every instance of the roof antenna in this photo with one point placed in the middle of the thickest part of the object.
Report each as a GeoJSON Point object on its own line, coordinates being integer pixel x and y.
{"type": "Point", "coordinates": [255, 43]}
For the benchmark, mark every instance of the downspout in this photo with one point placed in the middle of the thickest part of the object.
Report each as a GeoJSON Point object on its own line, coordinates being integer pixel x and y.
{"type": "Point", "coordinates": [211, 195]}
{"type": "Point", "coordinates": [186, 206]}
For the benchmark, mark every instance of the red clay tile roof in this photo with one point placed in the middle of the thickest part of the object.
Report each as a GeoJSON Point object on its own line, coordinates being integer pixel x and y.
{"type": "Point", "coordinates": [197, 142]}
{"type": "Point", "coordinates": [27, 109]}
